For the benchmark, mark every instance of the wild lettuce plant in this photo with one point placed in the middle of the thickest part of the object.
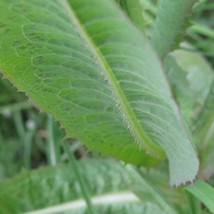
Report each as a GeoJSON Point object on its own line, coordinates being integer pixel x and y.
{"type": "Point", "coordinates": [124, 89]}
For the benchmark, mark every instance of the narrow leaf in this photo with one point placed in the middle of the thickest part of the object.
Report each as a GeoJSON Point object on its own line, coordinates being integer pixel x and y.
{"type": "Point", "coordinates": [204, 192]}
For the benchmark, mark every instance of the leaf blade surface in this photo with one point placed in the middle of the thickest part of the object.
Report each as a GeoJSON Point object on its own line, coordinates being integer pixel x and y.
{"type": "Point", "coordinates": [87, 65]}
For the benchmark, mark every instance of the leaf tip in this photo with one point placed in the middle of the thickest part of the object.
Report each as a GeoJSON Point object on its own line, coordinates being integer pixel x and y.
{"type": "Point", "coordinates": [188, 175]}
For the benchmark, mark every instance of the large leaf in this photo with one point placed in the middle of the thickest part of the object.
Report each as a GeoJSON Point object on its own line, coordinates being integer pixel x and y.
{"type": "Point", "coordinates": [86, 64]}
{"type": "Point", "coordinates": [56, 190]}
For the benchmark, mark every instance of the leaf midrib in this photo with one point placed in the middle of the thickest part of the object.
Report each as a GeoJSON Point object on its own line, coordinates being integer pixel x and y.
{"type": "Point", "coordinates": [133, 125]}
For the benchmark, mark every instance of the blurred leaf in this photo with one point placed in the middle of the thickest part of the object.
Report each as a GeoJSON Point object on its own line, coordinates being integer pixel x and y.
{"type": "Point", "coordinates": [11, 159]}
{"type": "Point", "coordinates": [180, 87]}
{"type": "Point", "coordinates": [170, 23]}
{"type": "Point", "coordinates": [176, 197]}
{"type": "Point", "coordinates": [204, 131]}
{"type": "Point", "coordinates": [204, 192]}
{"type": "Point", "coordinates": [56, 190]}
{"type": "Point", "coordinates": [149, 15]}
{"type": "Point", "coordinates": [134, 10]}
{"type": "Point", "coordinates": [198, 73]}
{"type": "Point", "coordinates": [196, 100]}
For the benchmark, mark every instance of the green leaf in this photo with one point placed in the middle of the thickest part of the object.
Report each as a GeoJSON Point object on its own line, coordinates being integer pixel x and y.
{"type": "Point", "coordinates": [169, 24]}
{"type": "Point", "coordinates": [151, 191]}
{"type": "Point", "coordinates": [204, 192]}
{"type": "Point", "coordinates": [206, 117]}
{"type": "Point", "coordinates": [204, 131]}
{"type": "Point", "coordinates": [134, 10]}
{"type": "Point", "coordinates": [193, 87]}
{"type": "Point", "coordinates": [199, 73]}
{"type": "Point", "coordinates": [87, 65]}
{"type": "Point", "coordinates": [176, 197]}
{"type": "Point", "coordinates": [111, 186]}
{"type": "Point", "coordinates": [180, 87]}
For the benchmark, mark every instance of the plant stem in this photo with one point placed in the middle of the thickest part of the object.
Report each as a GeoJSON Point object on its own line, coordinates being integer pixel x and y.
{"type": "Point", "coordinates": [84, 189]}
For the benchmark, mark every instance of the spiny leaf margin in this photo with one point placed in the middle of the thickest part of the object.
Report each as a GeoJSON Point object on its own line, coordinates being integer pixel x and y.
{"type": "Point", "coordinates": [91, 81]}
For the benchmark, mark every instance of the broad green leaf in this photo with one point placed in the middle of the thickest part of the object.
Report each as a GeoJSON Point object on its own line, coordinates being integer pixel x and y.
{"type": "Point", "coordinates": [56, 190]}
{"type": "Point", "coordinates": [86, 64]}
{"type": "Point", "coordinates": [204, 192]}
{"type": "Point", "coordinates": [169, 24]}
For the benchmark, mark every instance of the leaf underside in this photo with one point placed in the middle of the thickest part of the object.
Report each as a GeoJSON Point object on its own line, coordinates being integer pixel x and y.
{"type": "Point", "coordinates": [86, 64]}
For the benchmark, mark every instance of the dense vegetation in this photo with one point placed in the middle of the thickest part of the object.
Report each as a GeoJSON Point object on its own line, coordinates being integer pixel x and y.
{"type": "Point", "coordinates": [114, 110]}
